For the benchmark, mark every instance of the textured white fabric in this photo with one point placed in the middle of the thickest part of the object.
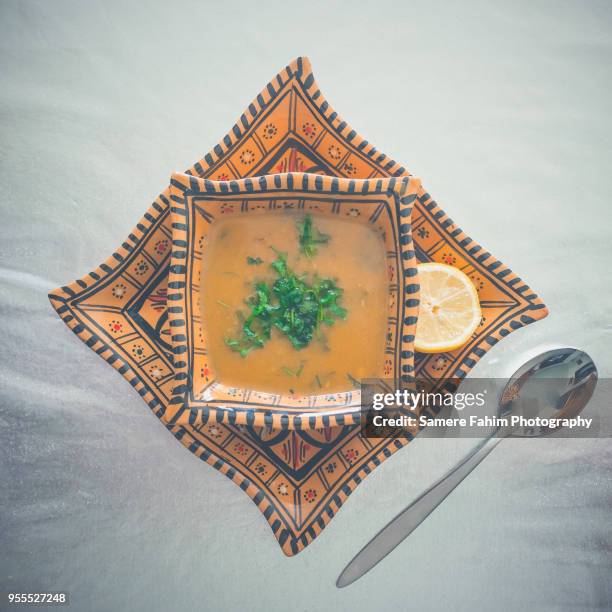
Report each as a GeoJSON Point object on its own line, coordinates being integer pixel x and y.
{"type": "Point", "coordinates": [502, 108]}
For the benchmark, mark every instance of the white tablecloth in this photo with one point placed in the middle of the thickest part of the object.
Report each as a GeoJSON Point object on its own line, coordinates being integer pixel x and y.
{"type": "Point", "coordinates": [502, 108]}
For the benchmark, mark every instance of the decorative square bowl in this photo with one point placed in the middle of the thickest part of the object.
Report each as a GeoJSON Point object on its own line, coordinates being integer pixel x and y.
{"type": "Point", "coordinates": [200, 394]}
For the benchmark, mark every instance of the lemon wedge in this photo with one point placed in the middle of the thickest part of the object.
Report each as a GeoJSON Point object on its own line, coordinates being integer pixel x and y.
{"type": "Point", "coordinates": [449, 311]}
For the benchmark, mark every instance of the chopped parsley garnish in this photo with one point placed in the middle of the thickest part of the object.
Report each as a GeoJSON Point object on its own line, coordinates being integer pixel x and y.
{"type": "Point", "coordinates": [292, 305]}
{"type": "Point", "coordinates": [310, 236]}
{"type": "Point", "coordinates": [356, 384]}
{"type": "Point", "coordinates": [254, 261]}
{"type": "Point", "coordinates": [296, 372]}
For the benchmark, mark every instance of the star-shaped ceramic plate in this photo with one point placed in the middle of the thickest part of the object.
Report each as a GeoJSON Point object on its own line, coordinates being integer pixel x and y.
{"type": "Point", "coordinates": [120, 310]}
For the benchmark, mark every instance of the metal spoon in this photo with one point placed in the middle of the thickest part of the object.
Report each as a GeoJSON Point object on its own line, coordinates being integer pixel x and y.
{"type": "Point", "coordinates": [572, 377]}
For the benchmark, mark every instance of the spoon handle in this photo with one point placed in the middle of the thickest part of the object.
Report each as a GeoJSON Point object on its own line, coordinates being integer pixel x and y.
{"type": "Point", "coordinates": [412, 516]}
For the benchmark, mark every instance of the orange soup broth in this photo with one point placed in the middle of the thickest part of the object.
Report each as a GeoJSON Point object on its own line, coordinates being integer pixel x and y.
{"type": "Point", "coordinates": [354, 257]}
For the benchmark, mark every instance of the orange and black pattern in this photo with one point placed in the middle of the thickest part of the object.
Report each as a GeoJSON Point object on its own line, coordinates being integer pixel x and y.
{"type": "Point", "coordinates": [121, 309]}
{"type": "Point", "coordinates": [385, 205]}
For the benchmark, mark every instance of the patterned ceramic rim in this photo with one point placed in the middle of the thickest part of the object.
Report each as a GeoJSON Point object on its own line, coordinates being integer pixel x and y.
{"type": "Point", "coordinates": [383, 204]}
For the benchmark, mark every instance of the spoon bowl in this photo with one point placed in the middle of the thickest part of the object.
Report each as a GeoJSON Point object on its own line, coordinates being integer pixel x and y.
{"type": "Point", "coordinates": [556, 384]}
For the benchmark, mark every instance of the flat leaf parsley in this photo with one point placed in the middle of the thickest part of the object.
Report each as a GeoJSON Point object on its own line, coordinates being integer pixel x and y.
{"type": "Point", "coordinates": [291, 304]}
